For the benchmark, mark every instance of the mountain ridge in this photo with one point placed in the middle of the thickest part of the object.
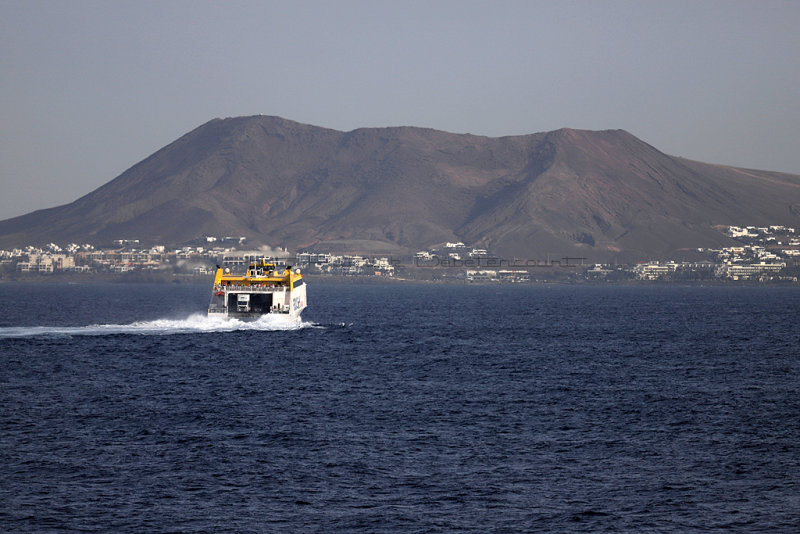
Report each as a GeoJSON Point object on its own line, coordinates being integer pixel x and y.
{"type": "Point", "coordinates": [598, 194]}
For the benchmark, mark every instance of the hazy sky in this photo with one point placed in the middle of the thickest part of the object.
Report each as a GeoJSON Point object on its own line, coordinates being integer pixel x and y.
{"type": "Point", "coordinates": [90, 88]}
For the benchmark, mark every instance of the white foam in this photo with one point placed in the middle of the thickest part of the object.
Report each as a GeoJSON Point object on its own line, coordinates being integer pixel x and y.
{"type": "Point", "coordinates": [196, 323]}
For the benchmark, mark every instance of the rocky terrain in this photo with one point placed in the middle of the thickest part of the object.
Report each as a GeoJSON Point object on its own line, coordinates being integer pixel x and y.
{"type": "Point", "coordinates": [604, 195]}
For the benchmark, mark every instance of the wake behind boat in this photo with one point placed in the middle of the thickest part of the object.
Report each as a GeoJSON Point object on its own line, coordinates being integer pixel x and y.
{"type": "Point", "coordinates": [263, 289]}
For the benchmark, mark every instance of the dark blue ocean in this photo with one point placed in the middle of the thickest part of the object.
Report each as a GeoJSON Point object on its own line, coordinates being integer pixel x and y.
{"type": "Point", "coordinates": [401, 408]}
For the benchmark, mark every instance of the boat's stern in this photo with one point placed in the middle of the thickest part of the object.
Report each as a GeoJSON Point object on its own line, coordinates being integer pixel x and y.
{"type": "Point", "coordinates": [263, 290]}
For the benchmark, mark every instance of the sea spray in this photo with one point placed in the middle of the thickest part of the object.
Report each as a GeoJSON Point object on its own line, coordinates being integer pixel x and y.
{"type": "Point", "coordinates": [193, 324]}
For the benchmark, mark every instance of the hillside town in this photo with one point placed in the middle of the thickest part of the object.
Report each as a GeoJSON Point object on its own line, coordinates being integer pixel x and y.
{"type": "Point", "coordinates": [766, 254]}
{"type": "Point", "coordinates": [127, 256]}
{"type": "Point", "coordinates": [762, 254]}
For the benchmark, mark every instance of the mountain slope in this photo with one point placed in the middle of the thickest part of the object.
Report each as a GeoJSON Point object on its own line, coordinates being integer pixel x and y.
{"type": "Point", "coordinates": [595, 194]}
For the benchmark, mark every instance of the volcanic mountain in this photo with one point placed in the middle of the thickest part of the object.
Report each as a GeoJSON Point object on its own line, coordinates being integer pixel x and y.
{"type": "Point", "coordinates": [597, 194]}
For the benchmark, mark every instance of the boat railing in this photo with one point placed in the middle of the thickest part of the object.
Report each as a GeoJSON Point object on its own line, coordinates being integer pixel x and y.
{"type": "Point", "coordinates": [250, 289]}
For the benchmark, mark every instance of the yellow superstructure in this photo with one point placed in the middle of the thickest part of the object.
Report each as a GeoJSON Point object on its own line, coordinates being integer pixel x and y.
{"type": "Point", "coordinates": [258, 274]}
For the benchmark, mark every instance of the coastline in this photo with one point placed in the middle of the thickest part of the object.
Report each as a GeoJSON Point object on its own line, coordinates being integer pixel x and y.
{"type": "Point", "coordinates": [149, 278]}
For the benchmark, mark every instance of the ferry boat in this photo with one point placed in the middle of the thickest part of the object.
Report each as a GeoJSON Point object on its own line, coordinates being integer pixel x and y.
{"type": "Point", "coordinates": [264, 289]}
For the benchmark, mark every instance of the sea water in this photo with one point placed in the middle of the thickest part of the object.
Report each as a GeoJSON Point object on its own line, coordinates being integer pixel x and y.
{"type": "Point", "coordinates": [401, 408]}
